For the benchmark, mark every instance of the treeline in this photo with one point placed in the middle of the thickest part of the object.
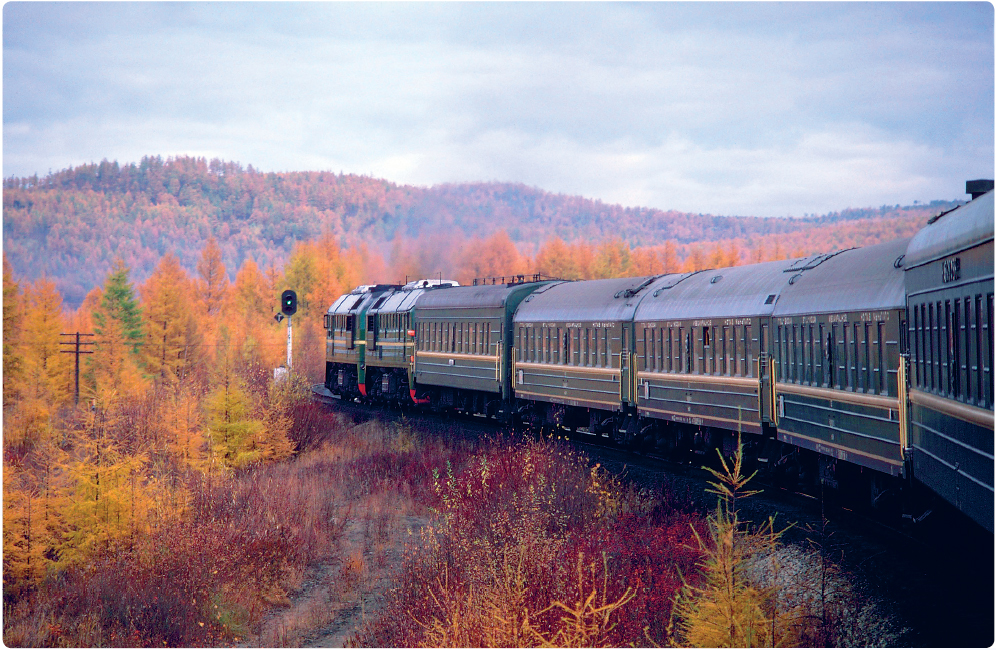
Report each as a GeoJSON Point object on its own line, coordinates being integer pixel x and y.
{"type": "Point", "coordinates": [176, 390]}
{"type": "Point", "coordinates": [71, 225]}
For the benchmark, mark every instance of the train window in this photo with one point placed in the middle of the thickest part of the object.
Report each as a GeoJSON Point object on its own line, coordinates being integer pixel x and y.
{"type": "Point", "coordinates": [968, 389]}
{"type": "Point", "coordinates": [915, 346]}
{"type": "Point", "coordinates": [688, 352]}
{"type": "Point", "coordinates": [931, 349]}
{"type": "Point", "coordinates": [845, 358]}
{"type": "Point", "coordinates": [979, 395]}
{"type": "Point", "coordinates": [649, 348]}
{"type": "Point", "coordinates": [819, 358]}
{"type": "Point", "coordinates": [829, 353]}
{"type": "Point", "coordinates": [855, 378]}
{"type": "Point", "coordinates": [881, 370]}
{"type": "Point", "coordinates": [608, 347]}
{"type": "Point", "coordinates": [746, 369]}
{"type": "Point", "coordinates": [734, 355]}
{"type": "Point", "coordinates": [799, 345]}
{"type": "Point", "coordinates": [798, 353]}
{"type": "Point", "coordinates": [680, 343]}
{"type": "Point", "coordinates": [811, 356]}
{"type": "Point", "coordinates": [706, 356]}
{"type": "Point", "coordinates": [989, 349]}
{"type": "Point", "coordinates": [944, 346]}
{"type": "Point", "coordinates": [576, 346]}
{"type": "Point", "coordinates": [589, 346]}
{"type": "Point", "coordinates": [566, 354]}
{"type": "Point", "coordinates": [865, 361]}
{"type": "Point", "coordinates": [802, 361]}
{"type": "Point", "coordinates": [957, 351]}
{"type": "Point", "coordinates": [723, 361]}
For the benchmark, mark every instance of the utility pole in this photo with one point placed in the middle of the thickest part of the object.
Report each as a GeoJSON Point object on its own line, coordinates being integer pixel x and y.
{"type": "Point", "coordinates": [77, 351]}
{"type": "Point", "coordinates": [288, 307]}
{"type": "Point", "coordinates": [289, 340]}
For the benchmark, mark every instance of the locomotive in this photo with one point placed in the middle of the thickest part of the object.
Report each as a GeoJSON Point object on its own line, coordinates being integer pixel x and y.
{"type": "Point", "coordinates": [865, 368]}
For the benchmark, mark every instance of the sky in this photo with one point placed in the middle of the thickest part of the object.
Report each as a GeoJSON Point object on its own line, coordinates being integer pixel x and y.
{"type": "Point", "coordinates": [765, 109]}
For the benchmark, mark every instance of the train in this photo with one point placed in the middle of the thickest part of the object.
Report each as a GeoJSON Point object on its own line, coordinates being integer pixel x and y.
{"type": "Point", "coordinates": [864, 370]}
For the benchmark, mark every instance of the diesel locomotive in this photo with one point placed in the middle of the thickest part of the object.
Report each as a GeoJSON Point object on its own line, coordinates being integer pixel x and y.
{"type": "Point", "coordinates": [865, 368]}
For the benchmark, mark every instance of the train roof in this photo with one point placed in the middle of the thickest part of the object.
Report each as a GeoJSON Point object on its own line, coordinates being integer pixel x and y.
{"type": "Point", "coordinates": [743, 291]}
{"type": "Point", "coordinates": [866, 278]}
{"type": "Point", "coordinates": [950, 232]}
{"type": "Point", "coordinates": [587, 300]}
{"type": "Point", "coordinates": [361, 294]}
{"type": "Point", "coordinates": [485, 296]}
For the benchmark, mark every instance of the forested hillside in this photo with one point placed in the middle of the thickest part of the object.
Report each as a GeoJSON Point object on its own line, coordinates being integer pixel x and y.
{"type": "Point", "coordinates": [71, 225]}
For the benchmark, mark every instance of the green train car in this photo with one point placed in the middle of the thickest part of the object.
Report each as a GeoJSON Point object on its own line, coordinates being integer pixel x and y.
{"type": "Point", "coordinates": [463, 347]}
{"type": "Point", "coordinates": [949, 287]}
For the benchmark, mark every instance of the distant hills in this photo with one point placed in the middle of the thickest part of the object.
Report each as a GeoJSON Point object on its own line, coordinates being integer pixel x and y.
{"type": "Point", "coordinates": [72, 224]}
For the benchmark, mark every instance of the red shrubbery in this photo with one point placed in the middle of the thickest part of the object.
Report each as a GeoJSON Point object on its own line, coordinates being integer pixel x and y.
{"type": "Point", "coordinates": [531, 546]}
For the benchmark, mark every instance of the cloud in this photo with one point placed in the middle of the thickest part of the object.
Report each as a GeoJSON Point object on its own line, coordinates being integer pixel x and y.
{"type": "Point", "coordinates": [748, 108]}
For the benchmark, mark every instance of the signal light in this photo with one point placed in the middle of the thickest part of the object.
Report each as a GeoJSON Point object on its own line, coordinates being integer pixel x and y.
{"type": "Point", "coordinates": [288, 302]}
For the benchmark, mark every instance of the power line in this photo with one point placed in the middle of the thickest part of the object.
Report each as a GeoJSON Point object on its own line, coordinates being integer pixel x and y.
{"type": "Point", "coordinates": [77, 352]}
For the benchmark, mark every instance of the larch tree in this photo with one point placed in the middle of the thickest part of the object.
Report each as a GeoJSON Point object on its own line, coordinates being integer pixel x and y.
{"type": "Point", "coordinates": [613, 260]}
{"type": "Point", "coordinates": [167, 297]}
{"type": "Point", "coordinates": [555, 259]}
{"type": "Point", "coordinates": [252, 334]}
{"type": "Point", "coordinates": [213, 282]}
{"type": "Point", "coordinates": [11, 334]}
{"type": "Point", "coordinates": [696, 260]}
{"type": "Point", "coordinates": [46, 368]}
{"type": "Point", "coordinates": [108, 501]}
{"type": "Point", "coordinates": [233, 429]}
{"type": "Point", "coordinates": [495, 256]}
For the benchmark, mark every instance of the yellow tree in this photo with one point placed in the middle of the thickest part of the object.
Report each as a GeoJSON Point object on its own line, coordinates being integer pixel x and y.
{"type": "Point", "coordinates": [233, 429]}
{"type": "Point", "coordinates": [613, 260]}
{"type": "Point", "coordinates": [555, 259]}
{"type": "Point", "coordinates": [45, 371]}
{"type": "Point", "coordinates": [495, 256]}
{"type": "Point", "coordinates": [11, 334]}
{"type": "Point", "coordinates": [696, 260]}
{"type": "Point", "coordinates": [213, 282]}
{"type": "Point", "coordinates": [108, 502]}
{"type": "Point", "coordinates": [252, 335]}
{"type": "Point", "coordinates": [171, 330]}
{"type": "Point", "coordinates": [32, 526]}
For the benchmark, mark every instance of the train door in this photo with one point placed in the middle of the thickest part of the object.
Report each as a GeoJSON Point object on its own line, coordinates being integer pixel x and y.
{"type": "Point", "coordinates": [625, 363]}
{"type": "Point", "coordinates": [765, 377]}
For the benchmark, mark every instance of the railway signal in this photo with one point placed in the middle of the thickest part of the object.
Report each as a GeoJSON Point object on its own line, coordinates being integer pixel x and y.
{"type": "Point", "coordinates": [288, 306]}
{"type": "Point", "coordinates": [288, 302]}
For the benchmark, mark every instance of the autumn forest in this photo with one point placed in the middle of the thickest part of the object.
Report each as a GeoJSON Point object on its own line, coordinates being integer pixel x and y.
{"type": "Point", "coordinates": [170, 271]}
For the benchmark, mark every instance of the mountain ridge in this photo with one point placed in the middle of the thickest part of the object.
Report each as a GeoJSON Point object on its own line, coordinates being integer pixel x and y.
{"type": "Point", "coordinates": [70, 225]}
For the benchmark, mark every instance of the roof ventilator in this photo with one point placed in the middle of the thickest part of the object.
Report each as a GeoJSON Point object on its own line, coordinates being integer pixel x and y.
{"type": "Point", "coordinates": [629, 293]}
{"type": "Point", "coordinates": [677, 280]}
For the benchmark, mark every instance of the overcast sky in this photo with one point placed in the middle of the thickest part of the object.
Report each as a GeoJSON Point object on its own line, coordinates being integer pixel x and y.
{"type": "Point", "coordinates": [767, 109]}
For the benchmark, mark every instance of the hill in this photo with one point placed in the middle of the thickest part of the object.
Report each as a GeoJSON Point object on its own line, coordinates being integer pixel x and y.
{"type": "Point", "coordinates": [72, 224]}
